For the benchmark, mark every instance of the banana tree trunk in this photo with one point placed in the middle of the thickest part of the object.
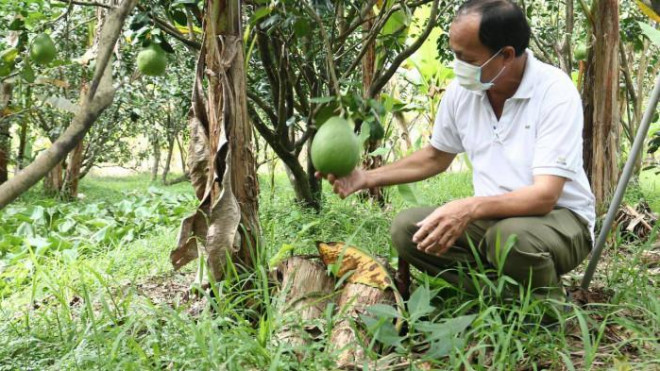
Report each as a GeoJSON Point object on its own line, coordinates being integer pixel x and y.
{"type": "Point", "coordinates": [221, 161]}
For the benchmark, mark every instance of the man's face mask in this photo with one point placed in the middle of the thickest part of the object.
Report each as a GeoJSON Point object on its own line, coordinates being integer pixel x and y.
{"type": "Point", "coordinates": [469, 76]}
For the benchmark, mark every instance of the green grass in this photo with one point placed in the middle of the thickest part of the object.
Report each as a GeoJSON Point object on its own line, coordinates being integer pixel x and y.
{"type": "Point", "coordinates": [116, 304]}
{"type": "Point", "coordinates": [649, 185]}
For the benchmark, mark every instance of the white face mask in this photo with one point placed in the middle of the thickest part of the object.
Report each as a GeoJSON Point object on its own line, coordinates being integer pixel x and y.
{"type": "Point", "coordinates": [469, 76]}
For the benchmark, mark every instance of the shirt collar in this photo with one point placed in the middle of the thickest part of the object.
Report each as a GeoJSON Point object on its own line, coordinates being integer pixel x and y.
{"type": "Point", "coordinates": [526, 85]}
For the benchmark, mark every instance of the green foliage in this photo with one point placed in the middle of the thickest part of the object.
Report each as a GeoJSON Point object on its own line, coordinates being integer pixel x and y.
{"type": "Point", "coordinates": [424, 329]}
{"type": "Point", "coordinates": [67, 230]}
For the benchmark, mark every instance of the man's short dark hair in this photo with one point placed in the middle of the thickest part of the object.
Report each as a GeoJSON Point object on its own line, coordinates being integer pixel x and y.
{"type": "Point", "coordinates": [502, 24]}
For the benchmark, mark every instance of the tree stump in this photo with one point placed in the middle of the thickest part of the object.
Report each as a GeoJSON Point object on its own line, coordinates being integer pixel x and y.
{"type": "Point", "coordinates": [354, 300]}
{"type": "Point", "coordinates": [307, 289]}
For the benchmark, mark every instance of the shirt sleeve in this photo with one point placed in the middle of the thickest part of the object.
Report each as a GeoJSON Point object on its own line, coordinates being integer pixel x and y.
{"type": "Point", "coordinates": [558, 148]}
{"type": "Point", "coordinates": [445, 135]}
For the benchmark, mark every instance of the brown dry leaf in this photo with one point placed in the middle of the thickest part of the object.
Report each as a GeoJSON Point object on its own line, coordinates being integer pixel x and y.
{"type": "Point", "coordinates": [55, 82]}
{"type": "Point", "coordinates": [651, 258]}
{"type": "Point", "coordinates": [368, 271]}
{"type": "Point", "coordinates": [191, 228]}
{"type": "Point", "coordinates": [198, 157]}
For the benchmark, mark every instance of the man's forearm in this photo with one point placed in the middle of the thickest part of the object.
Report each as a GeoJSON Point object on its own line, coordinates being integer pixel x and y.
{"type": "Point", "coordinates": [420, 165]}
{"type": "Point", "coordinates": [538, 199]}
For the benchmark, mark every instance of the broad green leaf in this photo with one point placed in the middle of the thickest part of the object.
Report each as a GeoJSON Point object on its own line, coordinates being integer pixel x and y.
{"type": "Point", "coordinates": [37, 242]}
{"type": "Point", "coordinates": [365, 132]}
{"type": "Point", "coordinates": [383, 311]}
{"type": "Point", "coordinates": [419, 303]}
{"type": "Point", "coordinates": [382, 151]}
{"type": "Point", "coordinates": [407, 192]}
{"type": "Point", "coordinates": [9, 55]}
{"type": "Point", "coordinates": [445, 330]}
{"type": "Point", "coordinates": [67, 226]}
{"type": "Point", "coordinates": [27, 73]}
{"type": "Point", "coordinates": [38, 213]}
{"type": "Point", "coordinates": [440, 349]}
{"type": "Point", "coordinates": [650, 32]}
{"type": "Point", "coordinates": [260, 13]}
{"type": "Point", "coordinates": [388, 335]}
{"type": "Point", "coordinates": [383, 330]}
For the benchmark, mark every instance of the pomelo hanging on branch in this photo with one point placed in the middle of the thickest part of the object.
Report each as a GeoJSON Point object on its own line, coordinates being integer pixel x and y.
{"type": "Point", "coordinates": [152, 60]}
{"type": "Point", "coordinates": [580, 51]}
{"type": "Point", "coordinates": [43, 50]}
{"type": "Point", "coordinates": [335, 148]}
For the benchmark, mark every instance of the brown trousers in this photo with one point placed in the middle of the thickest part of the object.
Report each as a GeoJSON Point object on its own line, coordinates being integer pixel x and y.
{"type": "Point", "coordinates": [544, 248]}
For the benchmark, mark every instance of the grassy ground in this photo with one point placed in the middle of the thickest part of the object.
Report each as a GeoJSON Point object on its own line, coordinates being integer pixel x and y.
{"type": "Point", "coordinates": [88, 285]}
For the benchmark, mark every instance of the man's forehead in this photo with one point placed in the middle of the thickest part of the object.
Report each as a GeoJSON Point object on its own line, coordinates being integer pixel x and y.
{"type": "Point", "coordinates": [464, 33]}
{"type": "Point", "coordinates": [465, 25]}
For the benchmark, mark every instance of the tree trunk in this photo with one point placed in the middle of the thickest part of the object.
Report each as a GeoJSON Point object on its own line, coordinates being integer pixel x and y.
{"type": "Point", "coordinates": [74, 166]}
{"type": "Point", "coordinates": [156, 159]}
{"type": "Point", "coordinates": [53, 181]}
{"type": "Point", "coordinates": [227, 219]}
{"type": "Point", "coordinates": [22, 145]}
{"type": "Point", "coordinates": [5, 139]}
{"type": "Point", "coordinates": [600, 95]}
{"type": "Point", "coordinates": [368, 73]}
{"type": "Point", "coordinates": [168, 158]}
{"type": "Point", "coordinates": [400, 119]}
{"type": "Point", "coordinates": [182, 155]}
{"type": "Point", "coordinates": [243, 162]}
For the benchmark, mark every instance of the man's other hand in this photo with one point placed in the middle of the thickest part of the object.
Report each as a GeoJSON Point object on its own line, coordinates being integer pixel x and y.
{"type": "Point", "coordinates": [438, 231]}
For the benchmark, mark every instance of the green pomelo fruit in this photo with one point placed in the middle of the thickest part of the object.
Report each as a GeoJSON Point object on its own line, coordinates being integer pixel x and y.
{"type": "Point", "coordinates": [43, 49]}
{"type": "Point", "coordinates": [335, 149]}
{"type": "Point", "coordinates": [581, 52]}
{"type": "Point", "coordinates": [152, 60]}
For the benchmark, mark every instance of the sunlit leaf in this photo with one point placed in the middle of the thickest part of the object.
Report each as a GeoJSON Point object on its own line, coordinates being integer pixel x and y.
{"type": "Point", "coordinates": [650, 32]}
{"type": "Point", "coordinates": [407, 192]}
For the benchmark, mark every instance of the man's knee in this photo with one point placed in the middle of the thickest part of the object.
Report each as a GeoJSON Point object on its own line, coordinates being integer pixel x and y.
{"type": "Point", "coordinates": [513, 246]}
{"type": "Point", "coordinates": [402, 229]}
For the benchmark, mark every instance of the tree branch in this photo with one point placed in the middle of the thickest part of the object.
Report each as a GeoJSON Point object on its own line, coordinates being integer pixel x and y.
{"type": "Point", "coordinates": [381, 79]}
{"type": "Point", "coordinates": [171, 30]}
{"type": "Point", "coordinates": [328, 49]}
{"type": "Point", "coordinates": [626, 73]}
{"type": "Point", "coordinates": [369, 39]}
{"type": "Point", "coordinates": [264, 107]}
{"type": "Point", "coordinates": [419, 3]}
{"type": "Point", "coordinates": [355, 24]}
{"type": "Point", "coordinates": [99, 4]}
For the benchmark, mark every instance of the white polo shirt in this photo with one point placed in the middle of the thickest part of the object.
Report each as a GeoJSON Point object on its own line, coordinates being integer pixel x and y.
{"type": "Point", "coordinates": [539, 133]}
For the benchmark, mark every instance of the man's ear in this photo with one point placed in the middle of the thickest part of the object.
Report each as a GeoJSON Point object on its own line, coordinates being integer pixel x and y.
{"type": "Point", "coordinates": [509, 53]}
